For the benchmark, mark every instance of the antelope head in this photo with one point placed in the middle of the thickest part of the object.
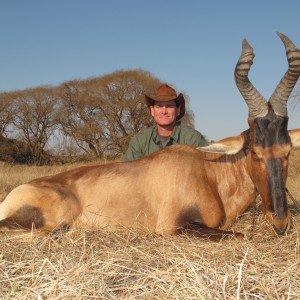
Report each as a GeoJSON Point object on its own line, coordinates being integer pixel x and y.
{"type": "Point", "coordinates": [269, 140]}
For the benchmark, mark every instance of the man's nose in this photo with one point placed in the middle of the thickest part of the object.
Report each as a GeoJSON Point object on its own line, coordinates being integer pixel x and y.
{"type": "Point", "coordinates": [164, 109]}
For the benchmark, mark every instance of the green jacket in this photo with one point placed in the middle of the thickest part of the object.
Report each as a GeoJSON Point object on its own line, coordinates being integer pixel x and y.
{"type": "Point", "coordinates": [148, 140]}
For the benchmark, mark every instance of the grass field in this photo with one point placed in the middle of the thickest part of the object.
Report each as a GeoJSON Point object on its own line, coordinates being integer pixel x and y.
{"type": "Point", "coordinates": [127, 265]}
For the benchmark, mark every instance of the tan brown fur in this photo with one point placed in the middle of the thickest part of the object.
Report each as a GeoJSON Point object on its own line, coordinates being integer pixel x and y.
{"type": "Point", "coordinates": [169, 190]}
{"type": "Point", "coordinates": [149, 194]}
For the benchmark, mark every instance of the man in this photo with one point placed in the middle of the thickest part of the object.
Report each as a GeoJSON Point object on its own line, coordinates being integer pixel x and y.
{"type": "Point", "coordinates": [167, 108]}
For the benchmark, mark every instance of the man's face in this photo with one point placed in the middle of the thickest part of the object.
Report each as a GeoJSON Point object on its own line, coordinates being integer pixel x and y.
{"type": "Point", "coordinates": [165, 112]}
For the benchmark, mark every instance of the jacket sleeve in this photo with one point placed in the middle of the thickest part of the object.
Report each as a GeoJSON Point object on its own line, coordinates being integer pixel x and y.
{"type": "Point", "coordinates": [134, 150]}
{"type": "Point", "coordinates": [195, 138]}
{"type": "Point", "coordinates": [200, 140]}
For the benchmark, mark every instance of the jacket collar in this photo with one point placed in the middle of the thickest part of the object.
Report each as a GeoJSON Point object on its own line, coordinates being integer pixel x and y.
{"type": "Point", "coordinates": [174, 136]}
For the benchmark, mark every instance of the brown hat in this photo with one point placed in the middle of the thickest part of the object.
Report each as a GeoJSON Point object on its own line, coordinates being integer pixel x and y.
{"type": "Point", "coordinates": [166, 93]}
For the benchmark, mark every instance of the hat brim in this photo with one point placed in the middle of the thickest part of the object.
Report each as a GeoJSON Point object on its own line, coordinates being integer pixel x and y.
{"type": "Point", "coordinates": [179, 99]}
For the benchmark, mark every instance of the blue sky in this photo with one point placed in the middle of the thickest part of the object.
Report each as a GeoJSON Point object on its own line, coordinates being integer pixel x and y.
{"type": "Point", "coordinates": [192, 44]}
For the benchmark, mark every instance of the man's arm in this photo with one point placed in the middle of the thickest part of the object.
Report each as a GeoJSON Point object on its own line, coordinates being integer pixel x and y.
{"type": "Point", "coordinates": [194, 137]}
{"type": "Point", "coordinates": [134, 150]}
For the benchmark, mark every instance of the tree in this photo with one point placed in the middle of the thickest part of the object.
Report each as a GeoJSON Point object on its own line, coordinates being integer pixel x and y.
{"type": "Point", "coordinates": [11, 150]}
{"type": "Point", "coordinates": [80, 116]}
{"type": "Point", "coordinates": [5, 113]}
{"type": "Point", "coordinates": [101, 114]}
{"type": "Point", "coordinates": [34, 118]}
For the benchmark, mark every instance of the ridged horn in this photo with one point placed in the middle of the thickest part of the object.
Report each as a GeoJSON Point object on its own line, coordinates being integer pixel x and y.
{"type": "Point", "coordinates": [257, 104]}
{"type": "Point", "coordinates": [283, 90]}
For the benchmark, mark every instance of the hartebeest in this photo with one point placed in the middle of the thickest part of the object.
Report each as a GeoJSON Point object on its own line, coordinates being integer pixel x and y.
{"type": "Point", "coordinates": [181, 186]}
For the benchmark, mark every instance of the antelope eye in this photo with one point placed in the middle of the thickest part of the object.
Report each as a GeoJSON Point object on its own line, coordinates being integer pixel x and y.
{"type": "Point", "coordinates": [287, 154]}
{"type": "Point", "coordinates": [254, 154]}
{"type": "Point", "coordinates": [286, 151]}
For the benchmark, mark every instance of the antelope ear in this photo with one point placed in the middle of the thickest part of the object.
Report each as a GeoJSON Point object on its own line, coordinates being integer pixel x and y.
{"type": "Point", "coordinates": [295, 137]}
{"type": "Point", "coordinates": [231, 145]}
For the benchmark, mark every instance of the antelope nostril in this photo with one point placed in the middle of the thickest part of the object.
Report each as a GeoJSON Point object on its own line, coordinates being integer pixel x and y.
{"type": "Point", "coordinates": [281, 231]}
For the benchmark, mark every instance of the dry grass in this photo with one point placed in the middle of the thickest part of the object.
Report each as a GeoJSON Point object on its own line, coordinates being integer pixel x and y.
{"type": "Point", "coordinates": [127, 265]}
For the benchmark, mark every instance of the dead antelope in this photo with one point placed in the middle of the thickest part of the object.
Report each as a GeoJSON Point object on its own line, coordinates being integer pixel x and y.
{"type": "Point", "coordinates": [181, 186]}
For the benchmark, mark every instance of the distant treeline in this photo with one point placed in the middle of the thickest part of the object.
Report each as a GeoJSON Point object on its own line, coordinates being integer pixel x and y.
{"type": "Point", "coordinates": [86, 119]}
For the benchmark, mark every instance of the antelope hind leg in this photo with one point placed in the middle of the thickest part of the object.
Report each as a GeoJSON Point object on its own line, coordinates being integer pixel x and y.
{"type": "Point", "coordinates": [213, 234]}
